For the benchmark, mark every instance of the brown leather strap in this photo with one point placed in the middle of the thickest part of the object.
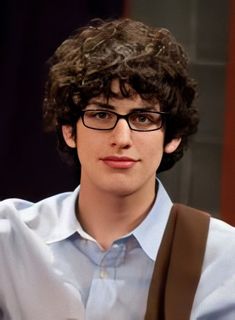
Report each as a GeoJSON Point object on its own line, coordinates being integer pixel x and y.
{"type": "Point", "coordinates": [178, 265]}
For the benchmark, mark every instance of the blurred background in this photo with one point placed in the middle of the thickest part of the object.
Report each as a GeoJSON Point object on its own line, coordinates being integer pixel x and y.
{"type": "Point", "coordinates": [30, 166]}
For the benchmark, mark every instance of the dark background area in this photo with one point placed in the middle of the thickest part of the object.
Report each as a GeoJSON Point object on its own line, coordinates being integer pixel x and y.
{"type": "Point", "coordinates": [30, 166]}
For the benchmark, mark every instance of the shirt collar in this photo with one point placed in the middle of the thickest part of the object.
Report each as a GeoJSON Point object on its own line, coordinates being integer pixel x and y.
{"type": "Point", "coordinates": [67, 223]}
{"type": "Point", "coordinates": [149, 233]}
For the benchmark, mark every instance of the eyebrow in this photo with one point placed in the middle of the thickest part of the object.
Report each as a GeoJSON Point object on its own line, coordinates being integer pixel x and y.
{"type": "Point", "coordinates": [110, 107]}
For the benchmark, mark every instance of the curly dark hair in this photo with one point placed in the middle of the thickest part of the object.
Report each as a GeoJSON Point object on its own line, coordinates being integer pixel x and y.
{"type": "Point", "coordinates": [147, 59]}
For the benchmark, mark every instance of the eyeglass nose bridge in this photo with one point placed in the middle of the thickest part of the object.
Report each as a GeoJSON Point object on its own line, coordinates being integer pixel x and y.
{"type": "Point", "coordinates": [122, 116]}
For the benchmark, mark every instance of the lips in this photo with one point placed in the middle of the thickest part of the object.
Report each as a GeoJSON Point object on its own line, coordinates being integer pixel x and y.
{"type": "Point", "coordinates": [119, 162]}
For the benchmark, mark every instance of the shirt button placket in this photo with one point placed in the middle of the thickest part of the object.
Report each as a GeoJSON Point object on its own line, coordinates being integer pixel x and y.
{"type": "Point", "coordinates": [103, 273]}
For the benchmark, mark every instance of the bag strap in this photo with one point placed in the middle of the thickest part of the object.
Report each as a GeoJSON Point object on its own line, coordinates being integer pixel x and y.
{"type": "Point", "coordinates": [178, 265]}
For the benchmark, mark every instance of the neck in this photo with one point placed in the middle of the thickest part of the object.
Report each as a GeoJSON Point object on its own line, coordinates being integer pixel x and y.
{"type": "Point", "coordinates": [108, 216]}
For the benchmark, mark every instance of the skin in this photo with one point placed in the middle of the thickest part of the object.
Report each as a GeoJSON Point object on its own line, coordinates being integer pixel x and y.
{"type": "Point", "coordinates": [116, 193]}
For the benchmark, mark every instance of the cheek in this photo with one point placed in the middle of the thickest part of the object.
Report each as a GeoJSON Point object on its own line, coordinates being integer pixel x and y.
{"type": "Point", "coordinates": [153, 146]}
{"type": "Point", "coordinates": [82, 149]}
{"type": "Point", "coordinates": [87, 147]}
{"type": "Point", "coordinates": [155, 156]}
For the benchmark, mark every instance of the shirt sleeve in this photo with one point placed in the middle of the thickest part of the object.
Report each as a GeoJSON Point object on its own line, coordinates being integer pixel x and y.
{"type": "Point", "coordinates": [215, 296]}
{"type": "Point", "coordinates": [30, 285]}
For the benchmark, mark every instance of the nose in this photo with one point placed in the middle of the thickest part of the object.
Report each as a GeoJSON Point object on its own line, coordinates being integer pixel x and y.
{"type": "Point", "coordinates": [121, 135]}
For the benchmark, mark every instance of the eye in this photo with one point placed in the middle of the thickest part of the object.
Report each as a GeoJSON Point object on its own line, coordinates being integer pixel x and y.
{"type": "Point", "coordinates": [143, 118]}
{"type": "Point", "coordinates": [102, 115]}
{"type": "Point", "coordinates": [99, 114]}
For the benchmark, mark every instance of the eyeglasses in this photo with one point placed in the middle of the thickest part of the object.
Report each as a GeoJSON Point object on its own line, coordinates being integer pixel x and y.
{"type": "Point", "coordinates": [140, 120]}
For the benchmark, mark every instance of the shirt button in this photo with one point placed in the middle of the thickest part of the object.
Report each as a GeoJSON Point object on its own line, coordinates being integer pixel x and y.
{"type": "Point", "coordinates": [103, 274]}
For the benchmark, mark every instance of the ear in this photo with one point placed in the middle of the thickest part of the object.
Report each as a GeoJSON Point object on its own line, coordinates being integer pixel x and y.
{"type": "Point", "coordinates": [172, 145]}
{"type": "Point", "coordinates": [68, 136]}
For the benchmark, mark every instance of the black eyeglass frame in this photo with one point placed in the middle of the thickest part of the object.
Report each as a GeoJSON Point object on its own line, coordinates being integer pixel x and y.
{"type": "Point", "coordinates": [126, 117]}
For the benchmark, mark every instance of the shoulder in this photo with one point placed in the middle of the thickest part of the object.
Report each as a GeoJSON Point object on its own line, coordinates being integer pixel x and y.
{"type": "Point", "coordinates": [41, 216]}
{"type": "Point", "coordinates": [219, 232]}
{"type": "Point", "coordinates": [220, 242]}
{"type": "Point", "coordinates": [219, 238]}
{"type": "Point", "coordinates": [10, 213]}
{"type": "Point", "coordinates": [216, 291]}
{"type": "Point", "coordinates": [220, 227]}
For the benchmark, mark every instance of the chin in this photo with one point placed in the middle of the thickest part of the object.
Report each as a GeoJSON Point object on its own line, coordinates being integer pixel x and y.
{"type": "Point", "coordinates": [121, 190]}
{"type": "Point", "coordinates": [122, 193]}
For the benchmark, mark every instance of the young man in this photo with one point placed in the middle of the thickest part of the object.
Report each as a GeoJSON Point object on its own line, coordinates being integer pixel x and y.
{"type": "Point", "coordinates": [122, 102]}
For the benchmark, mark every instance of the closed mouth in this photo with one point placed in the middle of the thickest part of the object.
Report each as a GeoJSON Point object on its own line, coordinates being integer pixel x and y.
{"type": "Point", "coordinates": [119, 162]}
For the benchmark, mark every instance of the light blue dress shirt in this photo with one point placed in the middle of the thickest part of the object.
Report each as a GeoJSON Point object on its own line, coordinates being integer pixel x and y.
{"type": "Point", "coordinates": [114, 282]}
{"type": "Point", "coordinates": [51, 269]}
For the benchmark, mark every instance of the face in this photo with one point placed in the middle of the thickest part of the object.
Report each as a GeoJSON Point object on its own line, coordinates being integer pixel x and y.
{"type": "Point", "coordinates": [119, 161]}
